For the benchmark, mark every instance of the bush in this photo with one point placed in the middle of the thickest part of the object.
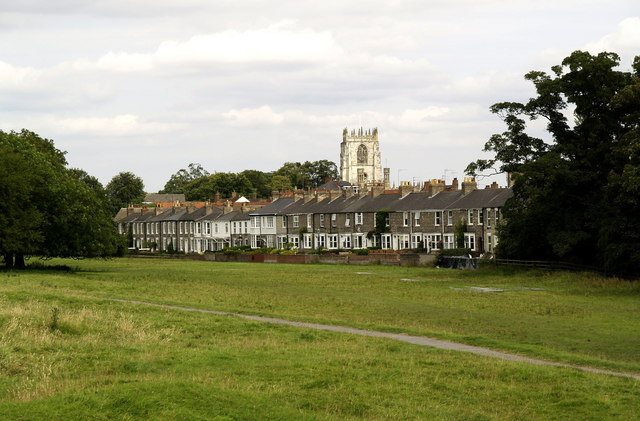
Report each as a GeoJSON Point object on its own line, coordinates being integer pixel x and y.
{"type": "Point", "coordinates": [361, 252]}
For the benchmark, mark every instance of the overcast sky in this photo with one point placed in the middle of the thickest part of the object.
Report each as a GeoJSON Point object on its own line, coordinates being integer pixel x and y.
{"type": "Point", "coordinates": [150, 86]}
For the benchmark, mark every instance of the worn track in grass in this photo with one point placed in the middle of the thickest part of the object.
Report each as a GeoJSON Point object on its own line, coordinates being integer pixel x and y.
{"type": "Point", "coordinates": [416, 340]}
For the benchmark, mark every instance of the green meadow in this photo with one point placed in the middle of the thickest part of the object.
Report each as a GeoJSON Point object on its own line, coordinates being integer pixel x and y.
{"type": "Point", "coordinates": [68, 351]}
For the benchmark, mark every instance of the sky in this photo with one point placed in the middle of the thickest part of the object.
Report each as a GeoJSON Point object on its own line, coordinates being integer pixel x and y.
{"type": "Point", "coordinates": [149, 86]}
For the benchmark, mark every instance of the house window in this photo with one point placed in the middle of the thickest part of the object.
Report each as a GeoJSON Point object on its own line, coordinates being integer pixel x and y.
{"type": "Point", "coordinates": [405, 219]}
{"type": "Point", "coordinates": [470, 240]}
{"type": "Point", "coordinates": [295, 241]}
{"type": "Point", "coordinates": [449, 218]}
{"type": "Point", "coordinates": [416, 239]}
{"type": "Point", "coordinates": [489, 245]}
{"type": "Point", "coordinates": [296, 221]}
{"type": "Point", "coordinates": [386, 241]}
{"type": "Point", "coordinates": [374, 241]}
{"type": "Point", "coordinates": [216, 226]}
{"type": "Point", "coordinates": [358, 241]}
{"type": "Point", "coordinates": [416, 219]}
{"type": "Point", "coordinates": [480, 216]}
{"type": "Point", "coordinates": [347, 220]}
{"type": "Point", "coordinates": [333, 241]}
{"type": "Point", "coordinates": [438, 218]}
{"type": "Point", "coordinates": [309, 220]}
{"type": "Point", "coordinates": [307, 241]}
{"type": "Point", "coordinates": [433, 241]}
{"type": "Point", "coordinates": [270, 221]}
{"type": "Point", "coordinates": [282, 240]}
{"type": "Point", "coordinates": [449, 241]}
{"type": "Point", "coordinates": [345, 241]}
{"type": "Point", "coordinates": [470, 213]}
{"type": "Point", "coordinates": [320, 241]}
{"type": "Point", "coordinates": [403, 242]}
{"type": "Point", "coordinates": [358, 218]}
{"type": "Point", "coordinates": [334, 220]}
{"type": "Point", "coordinates": [489, 218]}
{"type": "Point", "coordinates": [497, 213]}
{"type": "Point", "coordinates": [322, 220]}
{"type": "Point", "coordinates": [246, 228]}
{"type": "Point", "coordinates": [180, 227]}
{"type": "Point", "coordinates": [386, 221]}
{"type": "Point", "coordinates": [226, 227]}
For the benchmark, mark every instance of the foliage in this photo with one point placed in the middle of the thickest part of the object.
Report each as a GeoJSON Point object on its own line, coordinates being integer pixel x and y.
{"type": "Point", "coordinates": [205, 188]}
{"type": "Point", "coordinates": [180, 179]}
{"type": "Point", "coordinates": [260, 182]}
{"type": "Point", "coordinates": [48, 209]}
{"type": "Point", "coordinates": [575, 194]}
{"type": "Point", "coordinates": [124, 188]}
{"type": "Point", "coordinates": [308, 174]}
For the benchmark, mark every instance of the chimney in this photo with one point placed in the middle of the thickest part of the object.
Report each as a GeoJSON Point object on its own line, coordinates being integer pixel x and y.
{"type": "Point", "coordinates": [321, 195]}
{"type": "Point", "coordinates": [405, 188]}
{"type": "Point", "coordinates": [435, 187]}
{"type": "Point", "coordinates": [495, 185]}
{"type": "Point", "coordinates": [297, 195]}
{"type": "Point", "coordinates": [228, 207]}
{"type": "Point", "coordinates": [334, 194]}
{"type": "Point", "coordinates": [454, 184]}
{"type": "Point", "coordinates": [376, 190]}
{"type": "Point", "coordinates": [307, 196]}
{"type": "Point", "coordinates": [275, 194]}
{"type": "Point", "coordinates": [347, 192]}
{"type": "Point", "coordinates": [469, 184]}
{"type": "Point", "coordinates": [208, 209]}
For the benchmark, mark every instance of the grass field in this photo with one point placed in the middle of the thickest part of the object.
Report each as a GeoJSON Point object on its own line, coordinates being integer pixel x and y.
{"type": "Point", "coordinates": [68, 353]}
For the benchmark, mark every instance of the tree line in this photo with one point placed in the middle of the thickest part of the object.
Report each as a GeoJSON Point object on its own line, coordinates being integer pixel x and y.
{"type": "Point", "coordinates": [197, 184]}
{"type": "Point", "coordinates": [577, 192]}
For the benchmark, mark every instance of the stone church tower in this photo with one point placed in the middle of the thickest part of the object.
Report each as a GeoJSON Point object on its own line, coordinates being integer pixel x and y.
{"type": "Point", "coordinates": [360, 162]}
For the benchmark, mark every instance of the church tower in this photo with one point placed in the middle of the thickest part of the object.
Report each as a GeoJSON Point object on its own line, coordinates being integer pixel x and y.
{"type": "Point", "coordinates": [360, 162]}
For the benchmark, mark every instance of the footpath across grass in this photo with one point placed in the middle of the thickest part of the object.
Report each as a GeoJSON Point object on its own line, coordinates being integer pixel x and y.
{"type": "Point", "coordinates": [66, 355]}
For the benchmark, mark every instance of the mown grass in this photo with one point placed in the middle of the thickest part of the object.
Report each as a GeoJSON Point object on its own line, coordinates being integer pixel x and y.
{"type": "Point", "coordinates": [107, 360]}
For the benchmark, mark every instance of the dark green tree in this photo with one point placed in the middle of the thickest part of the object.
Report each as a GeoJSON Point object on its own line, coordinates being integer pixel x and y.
{"type": "Point", "coordinates": [575, 193]}
{"type": "Point", "coordinates": [48, 210]}
{"type": "Point", "coordinates": [205, 188]}
{"type": "Point", "coordinates": [124, 188]}
{"type": "Point", "coordinates": [260, 181]}
{"type": "Point", "coordinates": [180, 179]}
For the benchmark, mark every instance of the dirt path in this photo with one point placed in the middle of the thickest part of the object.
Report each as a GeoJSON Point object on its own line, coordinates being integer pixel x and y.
{"type": "Point", "coordinates": [416, 340]}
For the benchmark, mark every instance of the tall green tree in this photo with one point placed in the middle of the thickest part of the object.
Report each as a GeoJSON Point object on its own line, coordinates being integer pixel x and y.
{"type": "Point", "coordinates": [180, 179]}
{"type": "Point", "coordinates": [205, 188]}
{"type": "Point", "coordinates": [575, 193]}
{"type": "Point", "coordinates": [48, 210]}
{"type": "Point", "coordinates": [260, 181]}
{"type": "Point", "coordinates": [123, 189]}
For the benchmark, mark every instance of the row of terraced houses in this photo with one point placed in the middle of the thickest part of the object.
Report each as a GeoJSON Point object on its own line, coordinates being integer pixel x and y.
{"type": "Point", "coordinates": [330, 218]}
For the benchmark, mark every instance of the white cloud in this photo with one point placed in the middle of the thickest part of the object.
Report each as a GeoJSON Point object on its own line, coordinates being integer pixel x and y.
{"type": "Point", "coordinates": [120, 125]}
{"type": "Point", "coordinates": [625, 40]}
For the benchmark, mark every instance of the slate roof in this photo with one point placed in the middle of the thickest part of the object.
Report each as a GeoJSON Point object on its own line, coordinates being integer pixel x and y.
{"type": "Point", "coordinates": [274, 207]}
{"type": "Point", "coordinates": [160, 197]}
{"type": "Point", "coordinates": [334, 185]}
{"type": "Point", "coordinates": [482, 199]}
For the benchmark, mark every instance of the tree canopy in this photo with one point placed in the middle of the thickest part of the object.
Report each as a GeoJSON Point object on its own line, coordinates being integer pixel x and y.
{"type": "Point", "coordinates": [123, 189]}
{"type": "Point", "coordinates": [48, 209]}
{"type": "Point", "coordinates": [197, 184]}
{"type": "Point", "coordinates": [576, 194]}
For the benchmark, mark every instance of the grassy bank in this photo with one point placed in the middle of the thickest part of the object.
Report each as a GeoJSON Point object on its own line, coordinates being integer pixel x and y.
{"type": "Point", "coordinates": [93, 358]}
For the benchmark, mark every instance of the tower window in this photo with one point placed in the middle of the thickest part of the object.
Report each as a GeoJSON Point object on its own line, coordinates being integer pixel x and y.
{"type": "Point", "coordinates": [362, 154]}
